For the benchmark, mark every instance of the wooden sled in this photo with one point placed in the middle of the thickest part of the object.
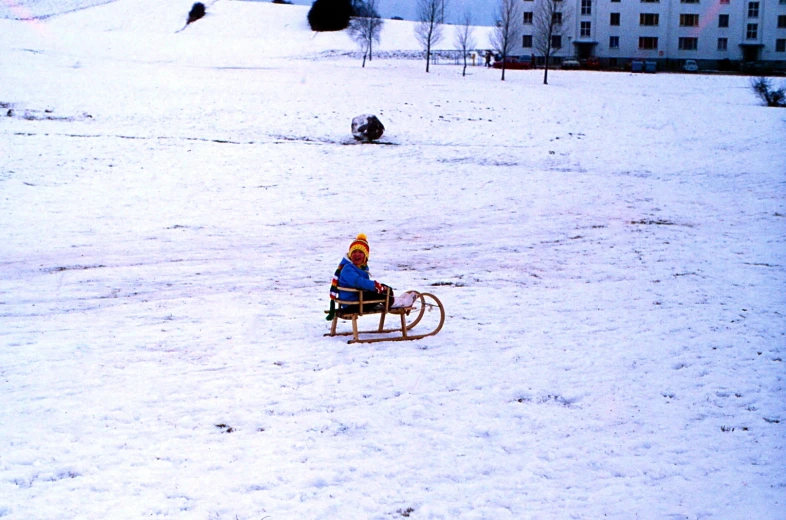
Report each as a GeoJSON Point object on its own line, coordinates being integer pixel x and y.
{"type": "Point", "coordinates": [409, 318]}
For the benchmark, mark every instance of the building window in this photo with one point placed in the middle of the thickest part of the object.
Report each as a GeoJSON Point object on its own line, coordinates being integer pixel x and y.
{"type": "Point", "coordinates": [723, 44]}
{"type": "Point", "coordinates": [648, 43]}
{"type": "Point", "coordinates": [723, 20]}
{"type": "Point", "coordinates": [649, 1]}
{"type": "Point", "coordinates": [586, 7]}
{"type": "Point", "coordinates": [556, 41]}
{"type": "Point", "coordinates": [689, 1]}
{"type": "Point", "coordinates": [782, 21]}
{"type": "Point", "coordinates": [753, 9]}
{"type": "Point", "coordinates": [528, 18]}
{"type": "Point", "coordinates": [780, 45]}
{"type": "Point", "coordinates": [752, 31]}
{"type": "Point", "coordinates": [725, 1]}
{"type": "Point", "coordinates": [614, 42]}
{"type": "Point", "coordinates": [556, 18]}
{"type": "Point", "coordinates": [526, 41]}
{"type": "Point", "coordinates": [782, 1]}
{"type": "Point", "coordinates": [586, 29]}
{"type": "Point", "coordinates": [688, 44]}
{"type": "Point", "coordinates": [614, 19]}
{"type": "Point", "coordinates": [648, 19]}
{"type": "Point", "coordinates": [689, 20]}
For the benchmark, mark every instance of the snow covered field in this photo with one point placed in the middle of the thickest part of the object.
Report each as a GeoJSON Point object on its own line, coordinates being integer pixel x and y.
{"type": "Point", "coordinates": [609, 248]}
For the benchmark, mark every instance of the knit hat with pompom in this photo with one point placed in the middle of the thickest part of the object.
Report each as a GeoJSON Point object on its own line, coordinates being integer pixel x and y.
{"type": "Point", "coordinates": [360, 244]}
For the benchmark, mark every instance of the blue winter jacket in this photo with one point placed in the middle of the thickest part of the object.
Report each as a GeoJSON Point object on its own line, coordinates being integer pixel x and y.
{"type": "Point", "coordinates": [355, 277]}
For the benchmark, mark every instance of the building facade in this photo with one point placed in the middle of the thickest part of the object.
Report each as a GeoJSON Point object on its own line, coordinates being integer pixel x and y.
{"type": "Point", "coordinates": [718, 34]}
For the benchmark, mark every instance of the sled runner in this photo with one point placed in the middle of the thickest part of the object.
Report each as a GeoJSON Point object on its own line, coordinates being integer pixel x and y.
{"type": "Point", "coordinates": [410, 313]}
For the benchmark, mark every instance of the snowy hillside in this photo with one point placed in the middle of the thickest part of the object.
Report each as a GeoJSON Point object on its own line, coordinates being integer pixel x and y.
{"type": "Point", "coordinates": [268, 29]}
{"type": "Point", "coordinates": [609, 249]}
{"type": "Point", "coordinates": [43, 9]}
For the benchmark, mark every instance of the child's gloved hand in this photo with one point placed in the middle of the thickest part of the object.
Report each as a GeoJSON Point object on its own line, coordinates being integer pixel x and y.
{"type": "Point", "coordinates": [379, 287]}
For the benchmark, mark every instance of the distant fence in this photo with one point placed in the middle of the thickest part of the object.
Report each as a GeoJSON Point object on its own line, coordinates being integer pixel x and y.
{"type": "Point", "coordinates": [456, 57]}
{"type": "Point", "coordinates": [445, 57]}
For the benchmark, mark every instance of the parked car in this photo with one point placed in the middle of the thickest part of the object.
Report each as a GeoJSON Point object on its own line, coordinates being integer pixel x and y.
{"type": "Point", "coordinates": [592, 63]}
{"type": "Point", "coordinates": [756, 67]}
{"type": "Point", "coordinates": [515, 62]}
{"type": "Point", "coordinates": [690, 66]}
{"type": "Point", "coordinates": [570, 63]}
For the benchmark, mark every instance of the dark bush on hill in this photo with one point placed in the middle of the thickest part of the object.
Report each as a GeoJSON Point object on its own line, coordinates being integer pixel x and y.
{"type": "Point", "coordinates": [771, 96]}
{"type": "Point", "coordinates": [197, 12]}
{"type": "Point", "coordinates": [282, 2]}
{"type": "Point", "coordinates": [330, 15]}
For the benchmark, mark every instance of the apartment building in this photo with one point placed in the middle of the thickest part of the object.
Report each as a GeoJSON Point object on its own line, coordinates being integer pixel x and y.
{"type": "Point", "coordinates": [718, 34]}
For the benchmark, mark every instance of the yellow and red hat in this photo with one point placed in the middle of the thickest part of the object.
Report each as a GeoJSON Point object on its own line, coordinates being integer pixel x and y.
{"type": "Point", "coordinates": [360, 244]}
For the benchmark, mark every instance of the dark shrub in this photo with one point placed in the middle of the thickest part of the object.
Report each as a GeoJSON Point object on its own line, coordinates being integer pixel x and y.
{"type": "Point", "coordinates": [197, 12]}
{"type": "Point", "coordinates": [330, 15]}
{"type": "Point", "coordinates": [771, 96]}
{"type": "Point", "coordinates": [282, 2]}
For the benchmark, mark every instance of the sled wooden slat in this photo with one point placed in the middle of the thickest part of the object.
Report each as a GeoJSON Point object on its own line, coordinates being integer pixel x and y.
{"type": "Point", "coordinates": [422, 301]}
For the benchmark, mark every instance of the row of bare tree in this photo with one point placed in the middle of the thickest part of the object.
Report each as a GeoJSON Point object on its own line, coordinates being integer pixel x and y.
{"type": "Point", "coordinates": [548, 19]}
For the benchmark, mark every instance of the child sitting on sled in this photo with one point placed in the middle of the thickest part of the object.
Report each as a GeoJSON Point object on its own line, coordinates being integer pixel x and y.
{"type": "Point", "coordinates": [353, 273]}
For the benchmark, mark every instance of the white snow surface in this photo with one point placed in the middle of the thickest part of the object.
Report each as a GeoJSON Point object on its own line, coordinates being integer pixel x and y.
{"type": "Point", "coordinates": [609, 249]}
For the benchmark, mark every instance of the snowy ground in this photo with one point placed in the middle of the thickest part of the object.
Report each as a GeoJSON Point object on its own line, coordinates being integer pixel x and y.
{"type": "Point", "coordinates": [609, 249]}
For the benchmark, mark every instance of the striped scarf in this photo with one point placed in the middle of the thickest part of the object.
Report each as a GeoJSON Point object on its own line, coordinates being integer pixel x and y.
{"type": "Point", "coordinates": [334, 283]}
{"type": "Point", "coordinates": [334, 287]}
{"type": "Point", "coordinates": [334, 291]}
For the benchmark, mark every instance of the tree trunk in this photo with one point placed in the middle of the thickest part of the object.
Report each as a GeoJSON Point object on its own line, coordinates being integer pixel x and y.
{"type": "Point", "coordinates": [546, 63]}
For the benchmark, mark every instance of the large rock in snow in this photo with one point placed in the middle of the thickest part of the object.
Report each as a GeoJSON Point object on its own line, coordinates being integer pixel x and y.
{"type": "Point", "coordinates": [197, 12]}
{"type": "Point", "coordinates": [367, 127]}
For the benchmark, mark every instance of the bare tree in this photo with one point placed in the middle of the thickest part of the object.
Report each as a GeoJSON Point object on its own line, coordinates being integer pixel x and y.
{"type": "Point", "coordinates": [768, 93]}
{"type": "Point", "coordinates": [428, 29]}
{"type": "Point", "coordinates": [365, 26]}
{"type": "Point", "coordinates": [507, 34]}
{"type": "Point", "coordinates": [550, 19]}
{"type": "Point", "coordinates": [464, 39]}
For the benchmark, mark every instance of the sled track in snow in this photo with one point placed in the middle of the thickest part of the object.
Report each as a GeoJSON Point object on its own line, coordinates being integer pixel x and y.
{"type": "Point", "coordinates": [24, 11]}
{"type": "Point", "coordinates": [276, 139]}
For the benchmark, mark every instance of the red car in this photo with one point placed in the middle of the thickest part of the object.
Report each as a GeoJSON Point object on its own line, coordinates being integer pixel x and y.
{"type": "Point", "coordinates": [593, 63]}
{"type": "Point", "coordinates": [515, 62]}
